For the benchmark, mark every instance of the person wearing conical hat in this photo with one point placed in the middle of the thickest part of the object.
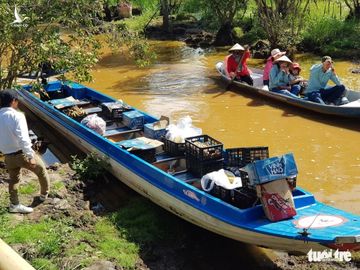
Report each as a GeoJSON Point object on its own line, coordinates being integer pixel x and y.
{"type": "Point", "coordinates": [235, 64]}
{"type": "Point", "coordinates": [275, 54]}
{"type": "Point", "coordinates": [279, 78]}
{"type": "Point", "coordinates": [318, 90]}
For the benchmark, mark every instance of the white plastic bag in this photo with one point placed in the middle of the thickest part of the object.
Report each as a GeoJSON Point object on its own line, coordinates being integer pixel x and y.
{"type": "Point", "coordinates": [181, 130]}
{"type": "Point", "coordinates": [223, 178]}
{"type": "Point", "coordinates": [95, 123]}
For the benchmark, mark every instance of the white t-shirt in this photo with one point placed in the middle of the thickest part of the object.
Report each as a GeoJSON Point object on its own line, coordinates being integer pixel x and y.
{"type": "Point", "coordinates": [14, 133]}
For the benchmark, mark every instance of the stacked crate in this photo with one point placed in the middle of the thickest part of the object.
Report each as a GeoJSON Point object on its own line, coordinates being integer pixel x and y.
{"type": "Point", "coordinates": [173, 148]}
{"type": "Point", "coordinates": [203, 155]}
{"type": "Point", "coordinates": [239, 157]}
{"type": "Point", "coordinates": [236, 158]}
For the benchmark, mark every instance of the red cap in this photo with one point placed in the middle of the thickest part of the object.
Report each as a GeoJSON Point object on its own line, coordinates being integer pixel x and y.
{"type": "Point", "coordinates": [296, 65]}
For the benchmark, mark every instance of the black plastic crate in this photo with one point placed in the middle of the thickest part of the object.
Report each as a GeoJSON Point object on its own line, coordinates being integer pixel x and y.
{"type": "Point", "coordinates": [200, 168]}
{"type": "Point", "coordinates": [240, 197]}
{"type": "Point", "coordinates": [147, 155]}
{"type": "Point", "coordinates": [203, 148]}
{"type": "Point", "coordinates": [222, 193]}
{"type": "Point", "coordinates": [244, 197]}
{"type": "Point", "coordinates": [239, 157]}
{"type": "Point", "coordinates": [173, 148]}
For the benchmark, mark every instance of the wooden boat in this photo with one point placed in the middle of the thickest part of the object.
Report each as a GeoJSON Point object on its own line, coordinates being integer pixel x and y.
{"type": "Point", "coordinates": [352, 109]}
{"type": "Point", "coordinates": [316, 226]}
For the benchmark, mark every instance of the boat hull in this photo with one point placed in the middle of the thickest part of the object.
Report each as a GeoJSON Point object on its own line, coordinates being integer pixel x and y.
{"type": "Point", "coordinates": [191, 209]}
{"type": "Point", "coordinates": [342, 111]}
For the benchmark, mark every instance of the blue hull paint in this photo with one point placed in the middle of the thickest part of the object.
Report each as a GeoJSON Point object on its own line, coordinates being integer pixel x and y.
{"type": "Point", "coordinates": [251, 219]}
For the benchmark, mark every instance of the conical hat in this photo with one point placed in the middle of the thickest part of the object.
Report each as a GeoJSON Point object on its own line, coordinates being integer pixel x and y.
{"type": "Point", "coordinates": [283, 58]}
{"type": "Point", "coordinates": [236, 47]}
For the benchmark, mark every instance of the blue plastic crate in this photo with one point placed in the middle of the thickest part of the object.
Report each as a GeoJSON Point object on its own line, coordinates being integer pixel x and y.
{"type": "Point", "coordinates": [133, 119]}
{"type": "Point", "coordinates": [53, 86]}
{"type": "Point", "coordinates": [152, 133]}
{"type": "Point", "coordinates": [271, 169]}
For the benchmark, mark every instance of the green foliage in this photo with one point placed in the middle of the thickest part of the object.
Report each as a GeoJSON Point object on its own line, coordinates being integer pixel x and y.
{"type": "Point", "coordinates": [46, 237]}
{"type": "Point", "coordinates": [192, 6]}
{"type": "Point", "coordinates": [223, 11]}
{"type": "Point", "coordinates": [42, 263]}
{"type": "Point", "coordinates": [253, 31]}
{"type": "Point", "coordinates": [51, 32]}
{"type": "Point", "coordinates": [237, 32]}
{"type": "Point", "coordinates": [246, 23]}
{"type": "Point", "coordinates": [62, 34]}
{"type": "Point", "coordinates": [145, 4]}
{"type": "Point", "coordinates": [112, 242]}
{"type": "Point", "coordinates": [90, 167]}
{"type": "Point", "coordinates": [137, 47]}
{"type": "Point", "coordinates": [111, 3]}
{"type": "Point", "coordinates": [143, 222]}
{"type": "Point", "coordinates": [28, 188]}
{"type": "Point", "coordinates": [106, 240]}
{"type": "Point", "coordinates": [4, 215]}
{"type": "Point", "coordinates": [142, 52]}
{"type": "Point", "coordinates": [332, 36]}
{"type": "Point", "coordinates": [57, 186]}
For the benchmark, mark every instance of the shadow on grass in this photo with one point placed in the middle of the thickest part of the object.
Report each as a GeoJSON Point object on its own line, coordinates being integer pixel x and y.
{"type": "Point", "coordinates": [168, 242]}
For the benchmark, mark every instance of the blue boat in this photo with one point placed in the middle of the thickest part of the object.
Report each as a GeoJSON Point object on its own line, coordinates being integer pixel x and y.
{"type": "Point", "coordinates": [350, 110]}
{"type": "Point", "coordinates": [316, 226]}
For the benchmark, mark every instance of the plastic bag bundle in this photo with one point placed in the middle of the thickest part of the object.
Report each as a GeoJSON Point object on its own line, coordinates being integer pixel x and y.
{"type": "Point", "coordinates": [181, 130]}
{"type": "Point", "coordinates": [223, 178]}
{"type": "Point", "coordinates": [94, 122]}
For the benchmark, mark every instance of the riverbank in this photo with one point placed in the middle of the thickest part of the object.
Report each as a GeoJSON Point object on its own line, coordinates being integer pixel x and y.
{"type": "Point", "coordinates": [104, 225]}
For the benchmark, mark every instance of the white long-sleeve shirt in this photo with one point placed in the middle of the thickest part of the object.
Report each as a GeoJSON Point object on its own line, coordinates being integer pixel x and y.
{"type": "Point", "coordinates": [14, 133]}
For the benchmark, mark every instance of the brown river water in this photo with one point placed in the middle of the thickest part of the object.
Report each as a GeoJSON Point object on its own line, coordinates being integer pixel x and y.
{"type": "Point", "coordinates": [184, 82]}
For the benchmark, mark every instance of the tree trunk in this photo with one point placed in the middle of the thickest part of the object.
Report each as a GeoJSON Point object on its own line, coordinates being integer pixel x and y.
{"type": "Point", "coordinates": [166, 16]}
{"type": "Point", "coordinates": [354, 7]}
{"type": "Point", "coordinates": [357, 12]}
{"type": "Point", "coordinates": [107, 11]}
{"type": "Point", "coordinates": [224, 36]}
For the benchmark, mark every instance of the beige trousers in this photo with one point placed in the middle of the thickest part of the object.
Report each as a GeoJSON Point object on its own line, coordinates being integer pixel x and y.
{"type": "Point", "coordinates": [14, 163]}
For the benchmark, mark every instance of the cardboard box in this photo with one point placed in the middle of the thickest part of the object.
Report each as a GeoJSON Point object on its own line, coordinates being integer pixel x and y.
{"type": "Point", "coordinates": [114, 110]}
{"type": "Point", "coordinates": [133, 119]}
{"type": "Point", "coordinates": [271, 169]}
{"type": "Point", "coordinates": [156, 130]}
{"type": "Point", "coordinates": [277, 200]}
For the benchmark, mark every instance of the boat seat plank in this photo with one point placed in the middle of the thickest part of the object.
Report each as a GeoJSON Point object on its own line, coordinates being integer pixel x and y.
{"type": "Point", "coordinates": [186, 176]}
{"type": "Point", "coordinates": [92, 110]}
{"type": "Point", "coordinates": [119, 131]}
{"type": "Point", "coordinates": [62, 103]}
{"type": "Point", "coordinates": [161, 157]}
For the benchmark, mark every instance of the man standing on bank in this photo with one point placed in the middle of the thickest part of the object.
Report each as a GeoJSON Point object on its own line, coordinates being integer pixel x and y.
{"type": "Point", "coordinates": [15, 144]}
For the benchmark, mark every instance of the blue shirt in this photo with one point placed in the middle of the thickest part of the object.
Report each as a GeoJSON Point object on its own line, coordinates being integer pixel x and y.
{"type": "Point", "coordinates": [278, 77]}
{"type": "Point", "coordinates": [319, 79]}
